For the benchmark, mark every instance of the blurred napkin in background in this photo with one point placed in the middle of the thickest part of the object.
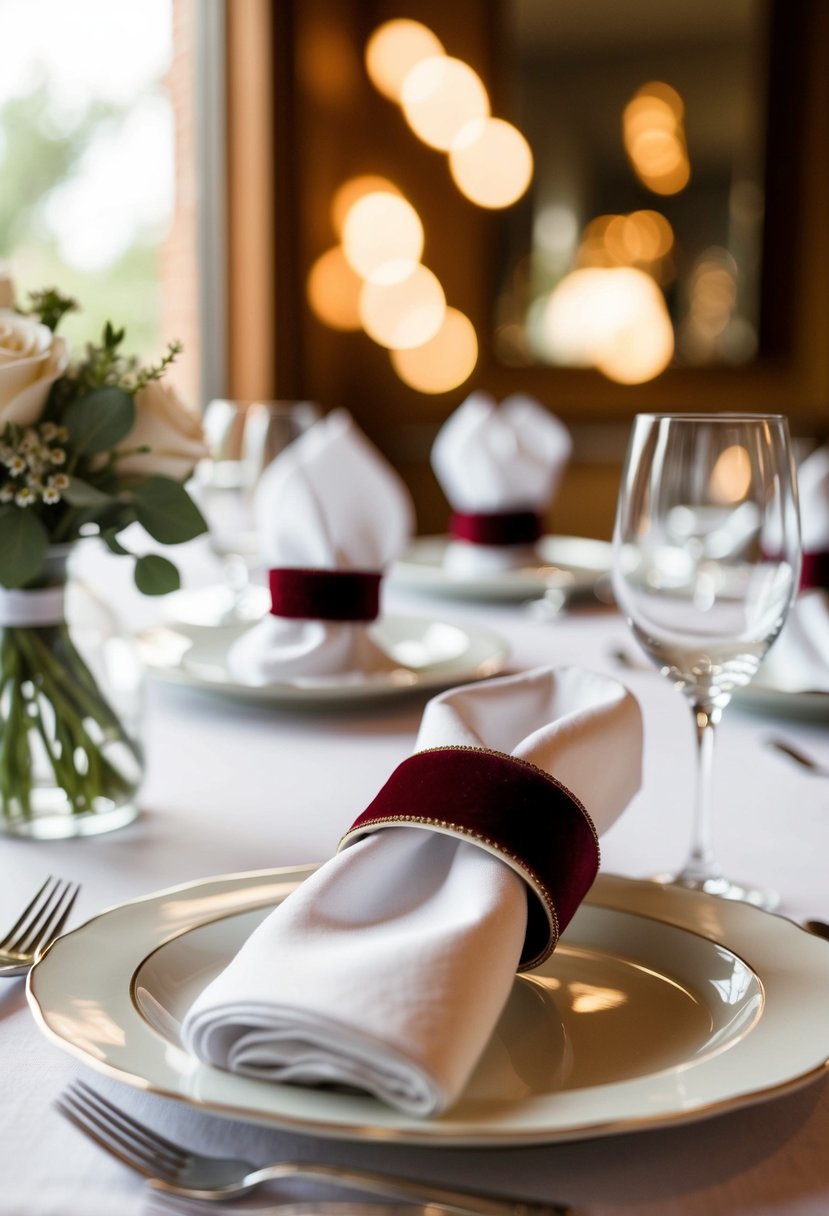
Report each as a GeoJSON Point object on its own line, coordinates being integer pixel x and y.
{"type": "Point", "coordinates": [388, 968]}
{"type": "Point", "coordinates": [799, 659]}
{"type": "Point", "coordinates": [331, 514]}
{"type": "Point", "coordinates": [500, 467]}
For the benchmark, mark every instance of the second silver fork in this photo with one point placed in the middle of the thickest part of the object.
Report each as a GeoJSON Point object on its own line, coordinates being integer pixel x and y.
{"type": "Point", "coordinates": [171, 1167]}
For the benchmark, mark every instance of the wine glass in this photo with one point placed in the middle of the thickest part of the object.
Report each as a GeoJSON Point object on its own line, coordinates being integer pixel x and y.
{"type": "Point", "coordinates": [243, 437]}
{"type": "Point", "coordinates": [706, 562]}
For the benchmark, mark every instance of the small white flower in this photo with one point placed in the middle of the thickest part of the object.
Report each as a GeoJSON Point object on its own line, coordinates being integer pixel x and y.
{"type": "Point", "coordinates": [16, 465]}
{"type": "Point", "coordinates": [6, 492]}
{"type": "Point", "coordinates": [57, 456]}
{"type": "Point", "coordinates": [58, 481]}
{"type": "Point", "coordinates": [50, 496]}
{"type": "Point", "coordinates": [24, 497]}
{"type": "Point", "coordinates": [30, 440]}
{"type": "Point", "coordinates": [48, 431]}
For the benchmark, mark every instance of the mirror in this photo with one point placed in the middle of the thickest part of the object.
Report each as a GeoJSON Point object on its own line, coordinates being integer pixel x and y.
{"type": "Point", "coordinates": [640, 242]}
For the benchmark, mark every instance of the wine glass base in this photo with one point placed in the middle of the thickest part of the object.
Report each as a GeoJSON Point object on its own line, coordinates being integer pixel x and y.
{"type": "Point", "coordinates": [724, 888]}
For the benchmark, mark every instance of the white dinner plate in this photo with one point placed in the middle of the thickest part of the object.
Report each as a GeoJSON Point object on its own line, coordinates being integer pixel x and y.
{"type": "Point", "coordinates": [431, 655]}
{"type": "Point", "coordinates": [572, 565]}
{"type": "Point", "coordinates": [659, 1006]}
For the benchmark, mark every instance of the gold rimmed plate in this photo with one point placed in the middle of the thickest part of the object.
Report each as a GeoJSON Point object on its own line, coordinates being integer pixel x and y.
{"type": "Point", "coordinates": [659, 1006]}
{"type": "Point", "coordinates": [428, 655]}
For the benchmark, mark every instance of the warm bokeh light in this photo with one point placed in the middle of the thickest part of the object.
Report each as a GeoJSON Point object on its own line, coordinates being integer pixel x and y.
{"type": "Point", "coordinates": [404, 314]}
{"type": "Point", "coordinates": [440, 96]}
{"type": "Point", "coordinates": [614, 319]}
{"type": "Point", "coordinates": [394, 49]}
{"type": "Point", "coordinates": [491, 162]}
{"type": "Point", "coordinates": [333, 290]}
{"type": "Point", "coordinates": [640, 238]}
{"type": "Point", "coordinates": [353, 190]}
{"type": "Point", "coordinates": [382, 237]}
{"type": "Point", "coordinates": [712, 327]}
{"type": "Point", "coordinates": [654, 138]}
{"type": "Point", "coordinates": [731, 475]}
{"type": "Point", "coordinates": [445, 361]}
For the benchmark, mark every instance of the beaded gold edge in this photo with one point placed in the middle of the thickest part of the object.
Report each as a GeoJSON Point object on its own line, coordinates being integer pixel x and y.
{"type": "Point", "coordinates": [534, 879]}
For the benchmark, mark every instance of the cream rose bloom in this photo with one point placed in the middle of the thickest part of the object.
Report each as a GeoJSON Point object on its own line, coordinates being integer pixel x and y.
{"type": "Point", "coordinates": [172, 432]}
{"type": "Point", "coordinates": [31, 359]}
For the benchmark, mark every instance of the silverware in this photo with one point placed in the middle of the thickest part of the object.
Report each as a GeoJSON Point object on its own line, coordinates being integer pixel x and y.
{"type": "Point", "coordinates": [40, 922]}
{"type": "Point", "coordinates": [181, 1171]}
{"type": "Point", "coordinates": [162, 1203]}
{"type": "Point", "coordinates": [800, 757]}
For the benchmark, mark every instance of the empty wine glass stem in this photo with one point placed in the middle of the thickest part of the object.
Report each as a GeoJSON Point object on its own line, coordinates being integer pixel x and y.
{"type": "Point", "coordinates": [701, 866]}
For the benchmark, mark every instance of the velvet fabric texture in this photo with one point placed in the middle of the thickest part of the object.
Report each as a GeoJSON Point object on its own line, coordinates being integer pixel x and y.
{"type": "Point", "coordinates": [496, 527]}
{"type": "Point", "coordinates": [815, 571]}
{"type": "Point", "coordinates": [508, 807]}
{"type": "Point", "coordinates": [325, 595]}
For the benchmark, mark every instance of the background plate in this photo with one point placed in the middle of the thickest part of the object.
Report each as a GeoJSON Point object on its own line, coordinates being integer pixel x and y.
{"type": "Point", "coordinates": [573, 565]}
{"type": "Point", "coordinates": [432, 655]}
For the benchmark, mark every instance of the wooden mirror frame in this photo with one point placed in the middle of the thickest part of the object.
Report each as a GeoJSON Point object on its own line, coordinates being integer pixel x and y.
{"type": "Point", "coordinates": [324, 122]}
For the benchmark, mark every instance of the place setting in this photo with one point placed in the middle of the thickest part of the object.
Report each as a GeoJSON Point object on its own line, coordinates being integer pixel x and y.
{"type": "Point", "coordinates": [793, 680]}
{"type": "Point", "coordinates": [499, 465]}
{"type": "Point", "coordinates": [330, 516]}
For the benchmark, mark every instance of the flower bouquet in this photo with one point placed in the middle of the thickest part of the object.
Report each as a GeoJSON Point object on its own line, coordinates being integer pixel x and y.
{"type": "Point", "coordinates": [87, 448]}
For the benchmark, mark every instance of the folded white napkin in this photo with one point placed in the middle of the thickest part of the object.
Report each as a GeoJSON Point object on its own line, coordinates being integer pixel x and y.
{"type": "Point", "coordinates": [799, 659]}
{"type": "Point", "coordinates": [388, 968]}
{"type": "Point", "coordinates": [329, 501]}
{"type": "Point", "coordinates": [489, 457]}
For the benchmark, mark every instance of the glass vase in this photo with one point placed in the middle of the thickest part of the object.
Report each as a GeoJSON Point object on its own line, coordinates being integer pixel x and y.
{"type": "Point", "coordinates": [70, 710]}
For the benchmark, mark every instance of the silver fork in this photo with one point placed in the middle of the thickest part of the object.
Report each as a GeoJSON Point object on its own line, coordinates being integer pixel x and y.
{"type": "Point", "coordinates": [162, 1203]}
{"type": "Point", "coordinates": [182, 1171]}
{"type": "Point", "coordinates": [39, 923]}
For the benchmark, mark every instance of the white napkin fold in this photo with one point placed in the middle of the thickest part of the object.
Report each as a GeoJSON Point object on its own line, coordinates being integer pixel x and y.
{"type": "Point", "coordinates": [799, 659]}
{"type": "Point", "coordinates": [388, 968]}
{"type": "Point", "coordinates": [329, 501]}
{"type": "Point", "coordinates": [489, 457]}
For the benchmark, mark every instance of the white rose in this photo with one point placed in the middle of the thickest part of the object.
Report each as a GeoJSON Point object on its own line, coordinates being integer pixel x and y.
{"type": "Point", "coordinates": [171, 431]}
{"type": "Point", "coordinates": [31, 359]}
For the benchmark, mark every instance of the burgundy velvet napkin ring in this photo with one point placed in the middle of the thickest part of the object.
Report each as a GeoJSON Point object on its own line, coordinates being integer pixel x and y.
{"type": "Point", "coordinates": [508, 807]}
{"type": "Point", "coordinates": [496, 527]}
{"type": "Point", "coordinates": [815, 570]}
{"type": "Point", "coordinates": [325, 595]}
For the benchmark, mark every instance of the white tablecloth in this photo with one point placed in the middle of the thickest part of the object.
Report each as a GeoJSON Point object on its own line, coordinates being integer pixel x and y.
{"type": "Point", "coordinates": [232, 788]}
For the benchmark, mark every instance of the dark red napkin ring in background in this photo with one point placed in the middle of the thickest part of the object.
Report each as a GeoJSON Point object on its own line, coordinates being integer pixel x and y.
{"type": "Point", "coordinates": [815, 570]}
{"type": "Point", "coordinates": [508, 807]}
{"type": "Point", "coordinates": [325, 595]}
{"type": "Point", "coordinates": [496, 527]}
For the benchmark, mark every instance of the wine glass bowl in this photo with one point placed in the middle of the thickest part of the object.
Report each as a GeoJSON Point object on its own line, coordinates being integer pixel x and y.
{"type": "Point", "coordinates": [243, 437]}
{"type": "Point", "coordinates": [706, 564]}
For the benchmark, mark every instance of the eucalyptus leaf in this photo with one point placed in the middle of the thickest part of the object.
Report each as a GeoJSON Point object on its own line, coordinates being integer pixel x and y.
{"type": "Point", "coordinates": [100, 419]}
{"type": "Point", "coordinates": [23, 544]}
{"type": "Point", "coordinates": [167, 511]}
{"type": "Point", "coordinates": [110, 538]}
{"type": "Point", "coordinates": [80, 493]}
{"type": "Point", "coordinates": [155, 575]}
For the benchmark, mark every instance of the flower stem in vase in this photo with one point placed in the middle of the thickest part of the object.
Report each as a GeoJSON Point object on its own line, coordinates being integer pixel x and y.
{"type": "Point", "coordinates": [58, 731]}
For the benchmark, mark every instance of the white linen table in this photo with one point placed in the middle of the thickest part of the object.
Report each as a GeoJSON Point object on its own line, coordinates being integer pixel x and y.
{"type": "Point", "coordinates": [232, 787]}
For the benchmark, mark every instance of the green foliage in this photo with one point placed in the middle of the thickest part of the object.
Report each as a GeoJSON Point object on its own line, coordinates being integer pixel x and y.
{"type": "Point", "coordinates": [60, 477]}
{"type": "Point", "coordinates": [23, 543]}
{"type": "Point", "coordinates": [155, 575]}
{"type": "Point", "coordinates": [99, 419]}
{"type": "Point", "coordinates": [167, 511]}
{"type": "Point", "coordinates": [50, 306]}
